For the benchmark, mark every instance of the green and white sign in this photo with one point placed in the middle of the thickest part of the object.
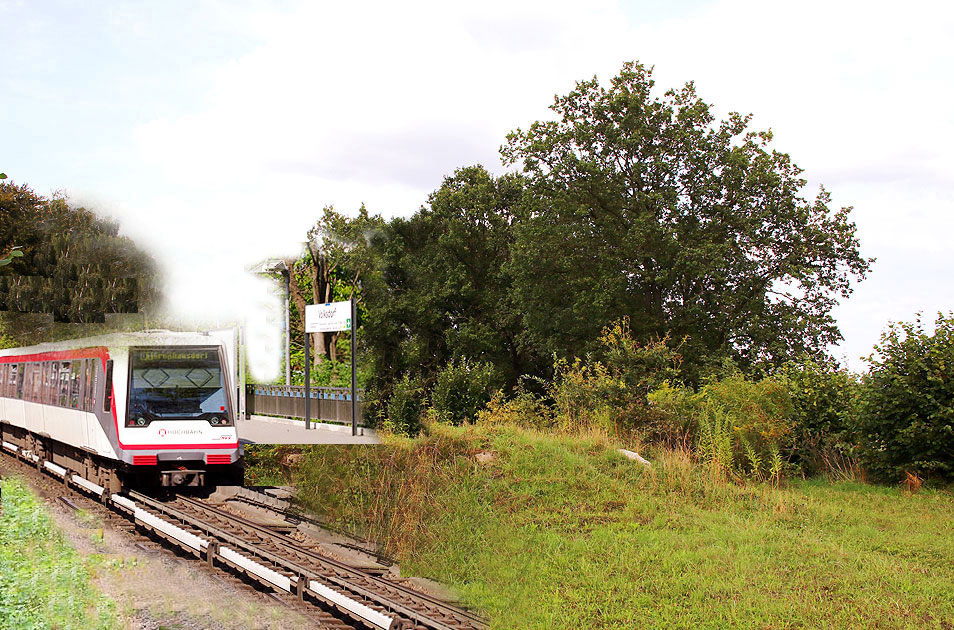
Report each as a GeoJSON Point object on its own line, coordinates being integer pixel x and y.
{"type": "Point", "coordinates": [330, 317]}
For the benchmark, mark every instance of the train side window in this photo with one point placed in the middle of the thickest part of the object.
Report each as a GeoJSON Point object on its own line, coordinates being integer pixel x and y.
{"type": "Point", "coordinates": [37, 389]}
{"type": "Point", "coordinates": [89, 402]}
{"type": "Point", "coordinates": [64, 384]}
{"type": "Point", "coordinates": [56, 374]}
{"type": "Point", "coordinates": [51, 372]}
{"type": "Point", "coordinates": [108, 389]}
{"type": "Point", "coordinates": [48, 393]}
{"type": "Point", "coordinates": [76, 382]}
{"type": "Point", "coordinates": [19, 375]}
{"type": "Point", "coordinates": [3, 379]}
{"type": "Point", "coordinates": [41, 377]}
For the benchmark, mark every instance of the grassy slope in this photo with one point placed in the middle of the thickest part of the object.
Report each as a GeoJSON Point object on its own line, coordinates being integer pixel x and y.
{"type": "Point", "coordinates": [565, 533]}
{"type": "Point", "coordinates": [44, 583]}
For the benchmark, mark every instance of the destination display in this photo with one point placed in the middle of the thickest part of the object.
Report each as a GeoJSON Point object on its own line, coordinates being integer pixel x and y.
{"type": "Point", "coordinates": [330, 317]}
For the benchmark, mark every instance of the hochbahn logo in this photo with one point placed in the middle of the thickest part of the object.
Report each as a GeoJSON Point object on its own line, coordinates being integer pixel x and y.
{"type": "Point", "coordinates": [163, 432]}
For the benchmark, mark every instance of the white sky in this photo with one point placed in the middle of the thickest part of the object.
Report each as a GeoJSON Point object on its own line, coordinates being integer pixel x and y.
{"type": "Point", "coordinates": [216, 131]}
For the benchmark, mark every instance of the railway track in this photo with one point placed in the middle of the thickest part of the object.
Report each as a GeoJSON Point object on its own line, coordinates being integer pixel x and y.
{"type": "Point", "coordinates": [340, 596]}
{"type": "Point", "coordinates": [283, 510]}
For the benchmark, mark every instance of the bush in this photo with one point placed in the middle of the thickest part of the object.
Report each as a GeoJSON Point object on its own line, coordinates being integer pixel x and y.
{"type": "Point", "coordinates": [824, 413]}
{"type": "Point", "coordinates": [906, 420]}
{"type": "Point", "coordinates": [582, 394]}
{"type": "Point", "coordinates": [613, 393]}
{"type": "Point", "coordinates": [405, 406]}
{"type": "Point", "coordinates": [755, 417]}
{"type": "Point", "coordinates": [523, 410]}
{"type": "Point", "coordinates": [640, 368]}
{"type": "Point", "coordinates": [462, 389]}
{"type": "Point", "coordinates": [739, 426]}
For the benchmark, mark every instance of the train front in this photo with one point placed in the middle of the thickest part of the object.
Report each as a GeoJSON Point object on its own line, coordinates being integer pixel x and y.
{"type": "Point", "coordinates": [179, 425]}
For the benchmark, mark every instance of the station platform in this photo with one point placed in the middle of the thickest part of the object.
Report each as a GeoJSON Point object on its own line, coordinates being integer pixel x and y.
{"type": "Point", "coordinates": [271, 430]}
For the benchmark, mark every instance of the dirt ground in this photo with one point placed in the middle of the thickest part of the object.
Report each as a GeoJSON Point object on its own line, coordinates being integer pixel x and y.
{"type": "Point", "coordinates": [153, 588]}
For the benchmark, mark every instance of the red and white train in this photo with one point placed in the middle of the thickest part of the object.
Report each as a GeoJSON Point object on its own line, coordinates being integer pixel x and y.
{"type": "Point", "coordinates": [147, 408]}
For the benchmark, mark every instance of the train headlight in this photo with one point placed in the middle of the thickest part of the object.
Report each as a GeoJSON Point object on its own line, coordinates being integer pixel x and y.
{"type": "Point", "coordinates": [141, 421]}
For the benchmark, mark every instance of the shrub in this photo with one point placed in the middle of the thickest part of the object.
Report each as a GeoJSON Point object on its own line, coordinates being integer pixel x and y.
{"type": "Point", "coordinates": [906, 420]}
{"type": "Point", "coordinates": [613, 392]}
{"type": "Point", "coordinates": [641, 368]}
{"type": "Point", "coordinates": [582, 393]}
{"type": "Point", "coordinates": [672, 416]}
{"type": "Point", "coordinates": [405, 406]}
{"type": "Point", "coordinates": [739, 425]}
{"type": "Point", "coordinates": [824, 413]}
{"type": "Point", "coordinates": [523, 410]}
{"type": "Point", "coordinates": [462, 389]}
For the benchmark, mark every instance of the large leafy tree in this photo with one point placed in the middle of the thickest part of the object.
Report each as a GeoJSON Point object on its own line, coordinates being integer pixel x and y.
{"type": "Point", "coordinates": [442, 290]}
{"type": "Point", "coordinates": [647, 206]}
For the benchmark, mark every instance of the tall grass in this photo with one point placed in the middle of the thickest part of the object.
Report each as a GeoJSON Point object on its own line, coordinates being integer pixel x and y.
{"type": "Point", "coordinates": [561, 531]}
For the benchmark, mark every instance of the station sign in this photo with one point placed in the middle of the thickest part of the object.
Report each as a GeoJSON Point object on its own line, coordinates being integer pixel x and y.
{"type": "Point", "coordinates": [330, 317]}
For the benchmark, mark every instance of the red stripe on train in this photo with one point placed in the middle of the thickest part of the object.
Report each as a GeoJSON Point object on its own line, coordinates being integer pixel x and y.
{"type": "Point", "coordinates": [99, 352]}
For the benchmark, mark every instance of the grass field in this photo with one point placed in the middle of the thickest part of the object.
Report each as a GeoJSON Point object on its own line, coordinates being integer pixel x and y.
{"type": "Point", "coordinates": [44, 583]}
{"type": "Point", "coordinates": [540, 531]}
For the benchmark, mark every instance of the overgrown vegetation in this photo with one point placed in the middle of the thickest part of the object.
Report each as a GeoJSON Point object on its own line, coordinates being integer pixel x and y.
{"type": "Point", "coordinates": [44, 583]}
{"type": "Point", "coordinates": [651, 272]}
{"type": "Point", "coordinates": [544, 530]}
{"type": "Point", "coordinates": [906, 420]}
{"type": "Point", "coordinates": [70, 262]}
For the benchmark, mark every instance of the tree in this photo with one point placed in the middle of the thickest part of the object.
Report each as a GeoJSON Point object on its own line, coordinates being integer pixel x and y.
{"type": "Point", "coordinates": [647, 207]}
{"type": "Point", "coordinates": [71, 262]}
{"type": "Point", "coordinates": [334, 262]}
{"type": "Point", "coordinates": [906, 420]}
{"type": "Point", "coordinates": [441, 291]}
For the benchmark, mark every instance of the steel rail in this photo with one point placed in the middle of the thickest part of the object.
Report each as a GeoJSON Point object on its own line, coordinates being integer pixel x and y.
{"type": "Point", "coordinates": [282, 574]}
{"type": "Point", "coordinates": [293, 546]}
{"type": "Point", "coordinates": [295, 562]}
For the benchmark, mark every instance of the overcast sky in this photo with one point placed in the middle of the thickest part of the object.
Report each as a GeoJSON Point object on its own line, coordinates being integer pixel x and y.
{"type": "Point", "coordinates": [216, 131]}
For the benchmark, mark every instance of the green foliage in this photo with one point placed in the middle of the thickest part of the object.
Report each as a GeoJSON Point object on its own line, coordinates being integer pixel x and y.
{"type": "Point", "coordinates": [824, 407]}
{"type": "Point", "coordinates": [404, 407]}
{"type": "Point", "coordinates": [441, 291]}
{"type": "Point", "coordinates": [648, 207]}
{"type": "Point", "coordinates": [463, 388]}
{"type": "Point", "coordinates": [68, 261]}
{"type": "Point", "coordinates": [906, 421]}
{"type": "Point", "coordinates": [7, 258]}
{"type": "Point", "coordinates": [613, 393]}
{"type": "Point", "coordinates": [755, 415]}
{"type": "Point", "coordinates": [741, 426]}
{"type": "Point", "coordinates": [521, 410]}
{"type": "Point", "coordinates": [44, 583]}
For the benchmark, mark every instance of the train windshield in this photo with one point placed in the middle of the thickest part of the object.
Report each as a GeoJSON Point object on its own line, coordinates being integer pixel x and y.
{"type": "Point", "coordinates": [178, 383]}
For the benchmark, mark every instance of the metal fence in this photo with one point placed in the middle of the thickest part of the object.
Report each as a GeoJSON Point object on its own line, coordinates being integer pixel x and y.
{"type": "Point", "coordinates": [327, 403]}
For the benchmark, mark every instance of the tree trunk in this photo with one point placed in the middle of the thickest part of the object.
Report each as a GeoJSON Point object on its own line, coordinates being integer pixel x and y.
{"type": "Point", "coordinates": [299, 299]}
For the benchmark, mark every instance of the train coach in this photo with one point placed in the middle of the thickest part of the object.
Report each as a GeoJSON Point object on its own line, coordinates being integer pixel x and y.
{"type": "Point", "coordinates": [141, 409]}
